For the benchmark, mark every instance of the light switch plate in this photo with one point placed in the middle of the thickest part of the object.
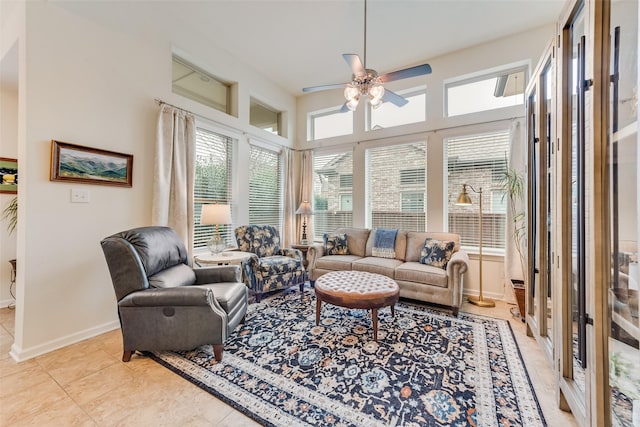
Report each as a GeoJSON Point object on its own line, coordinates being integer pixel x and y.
{"type": "Point", "coordinates": [79, 195]}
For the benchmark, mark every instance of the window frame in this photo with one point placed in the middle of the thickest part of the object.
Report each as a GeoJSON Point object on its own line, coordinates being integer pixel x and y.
{"type": "Point", "coordinates": [201, 100]}
{"type": "Point", "coordinates": [311, 116]}
{"type": "Point", "coordinates": [406, 93]}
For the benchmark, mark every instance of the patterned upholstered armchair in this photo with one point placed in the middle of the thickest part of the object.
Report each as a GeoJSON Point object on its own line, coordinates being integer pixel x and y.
{"type": "Point", "coordinates": [270, 267]}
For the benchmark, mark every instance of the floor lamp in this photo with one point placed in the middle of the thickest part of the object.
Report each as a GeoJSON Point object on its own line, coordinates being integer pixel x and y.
{"type": "Point", "coordinates": [464, 199]}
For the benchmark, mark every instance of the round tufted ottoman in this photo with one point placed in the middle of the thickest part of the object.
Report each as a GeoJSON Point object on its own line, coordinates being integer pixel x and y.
{"type": "Point", "coordinates": [357, 289]}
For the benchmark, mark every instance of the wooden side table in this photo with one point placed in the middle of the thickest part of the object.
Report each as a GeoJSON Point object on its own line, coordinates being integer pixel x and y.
{"type": "Point", "coordinates": [223, 258]}
{"type": "Point", "coordinates": [304, 249]}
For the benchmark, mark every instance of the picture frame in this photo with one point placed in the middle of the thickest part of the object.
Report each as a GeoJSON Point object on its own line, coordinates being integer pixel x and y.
{"type": "Point", "coordinates": [87, 165]}
{"type": "Point", "coordinates": [8, 175]}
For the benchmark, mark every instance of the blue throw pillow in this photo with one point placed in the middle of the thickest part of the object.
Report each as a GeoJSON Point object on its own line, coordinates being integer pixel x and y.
{"type": "Point", "coordinates": [335, 244]}
{"type": "Point", "coordinates": [436, 252]}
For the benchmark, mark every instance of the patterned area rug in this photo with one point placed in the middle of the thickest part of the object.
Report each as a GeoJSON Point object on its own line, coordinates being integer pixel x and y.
{"type": "Point", "coordinates": [427, 368]}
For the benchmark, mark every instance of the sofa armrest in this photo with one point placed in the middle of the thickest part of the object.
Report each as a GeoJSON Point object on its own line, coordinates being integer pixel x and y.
{"type": "Point", "coordinates": [226, 273]}
{"type": "Point", "coordinates": [457, 266]}
{"type": "Point", "coordinates": [314, 252]}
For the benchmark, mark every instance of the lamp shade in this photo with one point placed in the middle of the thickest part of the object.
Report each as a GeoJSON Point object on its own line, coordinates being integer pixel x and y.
{"type": "Point", "coordinates": [463, 198]}
{"type": "Point", "coordinates": [304, 209]}
{"type": "Point", "coordinates": [215, 214]}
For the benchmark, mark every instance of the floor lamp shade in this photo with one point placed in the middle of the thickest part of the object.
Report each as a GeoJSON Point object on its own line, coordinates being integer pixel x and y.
{"type": "Point", "coordinates": [464, 199]}
{"type": "Point", "coordinates": [215, 215]}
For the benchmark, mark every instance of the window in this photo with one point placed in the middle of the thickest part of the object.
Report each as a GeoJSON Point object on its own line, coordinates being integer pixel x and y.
{"type": "Point", "coordinates": [346, 181]}
{"type": "Point", "coordinates": [412, 177]}
{"type": "Point", "coordinates": [384, 182]}
{"type": "Point", "coordinates": [200, 86]}
{"type": "Point", "coordinates": [480, 161]}
{"type": "Point", "coordinates": [212, 181]}
{"type": "Point", "coordinates": [412, 201]}
{"type": "Point", "coordinates": [488, 92]}
{"type": "Point", "coordinates": [332, 204]}
{"type": "Point", "coordinates": [329, 123]}
{"type": "Point", "coordinates": [264, 186]}
{"type": "Point", "coordinates": [264, 117]}
{"type": "Point", "coordinates": [389, 115]}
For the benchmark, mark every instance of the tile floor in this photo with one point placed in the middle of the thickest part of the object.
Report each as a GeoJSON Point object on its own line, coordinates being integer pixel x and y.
{"type": "Point", "coordinates": [86, 384]}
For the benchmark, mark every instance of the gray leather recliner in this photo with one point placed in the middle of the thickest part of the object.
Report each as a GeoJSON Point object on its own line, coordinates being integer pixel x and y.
{"type": "Point", "coordinates": [163, 303]}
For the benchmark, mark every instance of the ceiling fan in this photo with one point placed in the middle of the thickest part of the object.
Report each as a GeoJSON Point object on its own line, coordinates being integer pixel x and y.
{"type": "Point", "coordinates": [366, 82]}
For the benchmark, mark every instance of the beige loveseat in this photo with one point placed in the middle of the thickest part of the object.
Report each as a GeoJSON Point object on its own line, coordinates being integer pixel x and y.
{"type": "Point", "coordinates": [417, 281]}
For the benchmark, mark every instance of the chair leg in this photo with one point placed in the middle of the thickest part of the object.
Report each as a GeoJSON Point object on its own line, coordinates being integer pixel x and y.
{"type": "Point", "coordinates": [455, 311]}
{"type": "Point", "coordinates": [126, 355]}
{"type": "Point", "coordinates": [258, 296]}
{"type": "Point", "coordinates": [217, 351]}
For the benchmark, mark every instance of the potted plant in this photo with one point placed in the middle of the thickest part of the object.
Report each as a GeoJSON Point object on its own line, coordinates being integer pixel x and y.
{"type": "Point", "coordinates": [10, 213]}
{"type": "Point", "coordinates": [512, 183]}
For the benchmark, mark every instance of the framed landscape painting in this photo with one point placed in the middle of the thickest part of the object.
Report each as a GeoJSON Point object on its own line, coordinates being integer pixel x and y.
{"type": "Point", "coordinates": [8, 175]}
{"type": "Point", "coordinates": [75, 163]}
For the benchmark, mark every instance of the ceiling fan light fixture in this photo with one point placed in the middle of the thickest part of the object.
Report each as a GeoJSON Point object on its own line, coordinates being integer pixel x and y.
{"type": "Point", "coordinates": [375, 103]}
{"type": "Point", "coordinates": [376, 92]}
{"type": "Point", "coordinates": [352, 104]}
{"type": "Point", "coordinates": [351, 92]}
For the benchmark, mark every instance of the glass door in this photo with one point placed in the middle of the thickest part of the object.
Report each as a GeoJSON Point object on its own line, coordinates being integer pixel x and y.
{"type": "Point", "coordinates": [624, 215]}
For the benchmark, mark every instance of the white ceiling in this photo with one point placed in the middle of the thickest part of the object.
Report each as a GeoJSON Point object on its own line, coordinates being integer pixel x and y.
{"type": "Point", "coordinates": [299, 43]}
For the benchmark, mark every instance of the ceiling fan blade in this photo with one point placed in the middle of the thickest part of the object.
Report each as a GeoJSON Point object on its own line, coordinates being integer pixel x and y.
{"type": "Point", "coordinates": [418, 70]}
{"type": "Point", "coordinates": [324, 87]}
{"type": "Point", "coordinates": [394, 98]}
{"type": "Point", "coordinates": [354, 62]}
{"type": "Point", "coordinates": [344, 108]}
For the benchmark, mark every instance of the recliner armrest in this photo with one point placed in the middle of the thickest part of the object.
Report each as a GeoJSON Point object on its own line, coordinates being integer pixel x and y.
{"type": "Point", "coordinates": [179, 296]}
{"type": "Point", "coordinates": [226, 273]}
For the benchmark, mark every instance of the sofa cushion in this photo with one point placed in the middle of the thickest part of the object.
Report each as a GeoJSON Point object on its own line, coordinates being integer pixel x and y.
{"type": "Point", "coordinates": [421, 273]}
{"type": "Point", "coordinates": [335, 244]}
{"type": "Point", "coordinates": [356, 239]}
{"type": "Point", "coordinates": [436, 253]}
{"type": "Point", "coordinates": [384, 266]}
{"type": "Point", "coordinates": [415, 243]}
{"type": "Point", "coordinates": [336, 262]}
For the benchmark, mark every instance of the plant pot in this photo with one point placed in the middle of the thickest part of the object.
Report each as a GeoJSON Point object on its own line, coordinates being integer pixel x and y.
{"type": "Point", "coordinates": [519, 292]}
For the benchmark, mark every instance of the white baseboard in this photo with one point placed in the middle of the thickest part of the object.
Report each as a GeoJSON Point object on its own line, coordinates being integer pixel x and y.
{"type": "Point", "coordinates": [20, 355]}
{"type": "Point", "coordinates": [7, 302]}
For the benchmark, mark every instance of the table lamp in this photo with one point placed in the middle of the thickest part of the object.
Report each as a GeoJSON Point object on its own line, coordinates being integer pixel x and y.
{"type": "Point", "coordinates": [464, 199]}
{"type": "Point", "coordinates": [215, 215]}
{"type": "Point", "coordinates": [304, 209]}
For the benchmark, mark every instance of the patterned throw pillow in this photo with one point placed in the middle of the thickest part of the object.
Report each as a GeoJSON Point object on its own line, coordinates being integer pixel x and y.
{"type": "Point", "coordinates": [335, 244]}
{"type": "Point", "coordinates": [436, 252]}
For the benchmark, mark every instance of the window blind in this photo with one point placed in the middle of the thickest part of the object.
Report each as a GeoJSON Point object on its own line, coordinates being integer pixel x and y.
{"type": "Point", "coordinates": [264, 186]}
{"type": "Point", "coordinates": [396, 186]}
{"type": "Point", "coordinates": [212, 182]}
{"type": "Point", "coordinates": [332, 201]}
{"type": "Point", "coordinates": [480, 161]}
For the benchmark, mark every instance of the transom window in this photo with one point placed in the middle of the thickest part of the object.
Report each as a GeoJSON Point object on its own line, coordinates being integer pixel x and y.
{"type": "Point", "coordinates": [389, 115]}
{"type": "Point", "coordinates": [329, 123]}
{"type": "Point", "coordinates": [487, 92]}
{"type": "Point", "coordinates": [265, 117]}
{"type": "Point", "coordinates": [198, 85]}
